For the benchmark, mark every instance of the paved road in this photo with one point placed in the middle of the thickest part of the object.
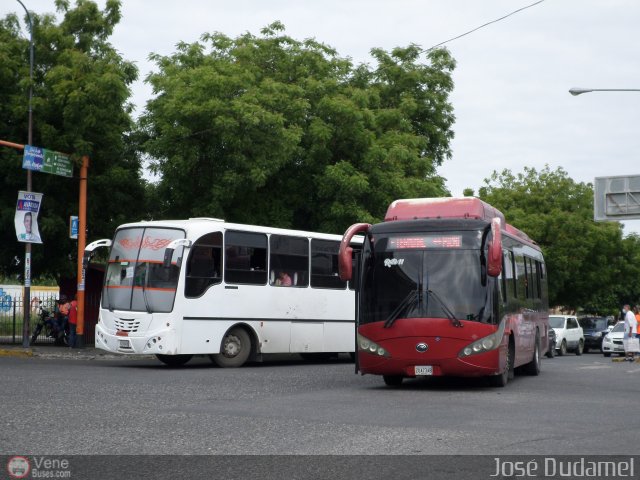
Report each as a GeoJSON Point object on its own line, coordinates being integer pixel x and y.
{"type": "Point", "coordinates": [54, 405]}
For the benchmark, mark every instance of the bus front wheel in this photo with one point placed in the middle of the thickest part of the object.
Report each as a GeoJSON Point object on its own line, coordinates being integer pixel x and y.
{"type": "Point", "coordinates": [507, 374]}
{"type": "Point", "coordinates": [533, 367]}
{"type": "Point", "coordinates": [234, 350]}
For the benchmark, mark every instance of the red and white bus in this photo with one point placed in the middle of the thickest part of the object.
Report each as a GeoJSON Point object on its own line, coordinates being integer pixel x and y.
{"type": "Point", "coordinates": [446, 287]}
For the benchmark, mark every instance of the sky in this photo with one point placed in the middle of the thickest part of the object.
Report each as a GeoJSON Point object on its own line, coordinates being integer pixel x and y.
{"type": "Point", "coordinates": [512, 78]}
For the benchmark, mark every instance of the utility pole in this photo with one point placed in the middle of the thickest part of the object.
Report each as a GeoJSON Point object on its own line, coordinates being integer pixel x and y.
{"type": "Point", "coordinates": [82, 239]}
{"type": "Point", "coordinates": [27, 246]}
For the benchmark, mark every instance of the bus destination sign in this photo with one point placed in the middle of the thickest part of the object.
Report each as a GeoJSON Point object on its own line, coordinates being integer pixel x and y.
{"type": "Point", "coordinates": [46, 161]}
{"type": "Point", "coordinates": [426, 241]}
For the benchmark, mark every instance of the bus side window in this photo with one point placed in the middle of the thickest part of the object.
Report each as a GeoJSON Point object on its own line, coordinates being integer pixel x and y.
{"type": "Point", "coordinates": [245, 260]}
{"type": "Point", "coordinates": [508, 273]}
{"type": "Point", "coordinates": [538, 278]}
{"type": "Point", "coordinates": [203, 266]}
{"type": "Point", "coordinates": [521, 275]}
{"type": "Point", "coordinates": [289, 255]}
{"type": "Point", "coordinates": [324, 264]}
{"type": "Point", "coordinates": [503, 278]}
{"type": "Point", "coordinates": [533, 282]}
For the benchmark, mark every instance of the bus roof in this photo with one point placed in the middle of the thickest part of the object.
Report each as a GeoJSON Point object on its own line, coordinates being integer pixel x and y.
{"type": "Point", "coordinates": [201, 225]}
{"type": "Point", "coordinates": [449, 208]}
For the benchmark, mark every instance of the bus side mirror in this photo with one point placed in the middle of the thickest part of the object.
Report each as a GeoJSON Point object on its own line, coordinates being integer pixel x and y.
{"type": "Point", "coordinates": [89, 250]}
{"type": "Point", "coordinates": [168, 252]}
{"type": "Point", "coordinates": [345, 265]}
{"type": "Point", "coordinates": [345, 262]}
{"type": "Point", "coordinates": [494, 261]}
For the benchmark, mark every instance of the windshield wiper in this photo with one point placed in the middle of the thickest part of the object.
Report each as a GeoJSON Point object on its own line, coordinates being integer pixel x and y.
{"type": "Point", "coordinates": [408, 302]}
{"type": "Point", "coordinates": [447, 311]}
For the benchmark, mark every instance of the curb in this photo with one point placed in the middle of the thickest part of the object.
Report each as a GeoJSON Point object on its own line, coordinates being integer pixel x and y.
{"type": "Point", "coordinates": [66, 353]}
{"type": "Point", "coordinates": [9, 352]}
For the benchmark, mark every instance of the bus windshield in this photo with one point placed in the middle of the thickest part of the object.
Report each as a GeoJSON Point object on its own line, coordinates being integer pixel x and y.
{"type": "Point", "coordinates": [421, 279]}
{"type": "Point", "coordinates": [136, 279]}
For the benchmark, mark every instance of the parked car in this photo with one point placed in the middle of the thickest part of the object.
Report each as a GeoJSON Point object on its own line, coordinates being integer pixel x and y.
{"type": "Point", "coordinates": [594, 328]}
{"type": "Point", "coordinates": [569, 334]}
{"type": "Point", "coordinates": [552, 343]}
{"type": "Point", "coordinates": [612, 341]}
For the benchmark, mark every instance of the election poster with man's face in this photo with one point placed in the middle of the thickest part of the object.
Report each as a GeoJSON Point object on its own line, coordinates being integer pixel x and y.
{"type": "Point", "coordinates": [26, 219]}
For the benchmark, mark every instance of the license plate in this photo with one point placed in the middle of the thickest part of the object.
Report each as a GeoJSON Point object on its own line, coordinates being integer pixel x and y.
{"type": "Point", "coordinates": [123, 343]}
{"type": "Point", "coordinates": [424, 370]}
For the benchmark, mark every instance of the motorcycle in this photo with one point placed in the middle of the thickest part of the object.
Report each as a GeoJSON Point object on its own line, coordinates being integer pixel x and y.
{"type": "Point", "coordinates": [51, 326]}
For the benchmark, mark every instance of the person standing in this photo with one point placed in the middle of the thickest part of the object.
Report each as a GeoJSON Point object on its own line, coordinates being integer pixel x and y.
{"type": "Point", "coordinates": [73, 321]}
{"type": "Point", "coordinates": [630, 331]}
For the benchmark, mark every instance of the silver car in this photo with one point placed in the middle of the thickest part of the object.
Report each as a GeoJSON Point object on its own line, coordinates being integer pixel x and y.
{"type": "Point", "coordinates": [612, 342]}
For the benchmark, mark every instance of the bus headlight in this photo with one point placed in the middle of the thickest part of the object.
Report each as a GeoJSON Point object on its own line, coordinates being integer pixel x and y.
{"type": "Point", "coordinates": [486, 344]}
{"type": "Point", "coordinates": [371, 347]}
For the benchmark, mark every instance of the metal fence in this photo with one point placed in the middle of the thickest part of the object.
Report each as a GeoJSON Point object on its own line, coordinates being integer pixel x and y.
{"type": "Point", "coordinates": [12, 317]}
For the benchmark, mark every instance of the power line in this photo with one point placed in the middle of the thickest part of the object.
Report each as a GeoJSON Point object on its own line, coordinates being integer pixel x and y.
{"type": "Point", "coordinates": [484, 25]}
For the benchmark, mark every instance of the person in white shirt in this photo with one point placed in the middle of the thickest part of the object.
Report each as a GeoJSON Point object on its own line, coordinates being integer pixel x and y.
{"type": "Point", "coordinates": [630, 330]}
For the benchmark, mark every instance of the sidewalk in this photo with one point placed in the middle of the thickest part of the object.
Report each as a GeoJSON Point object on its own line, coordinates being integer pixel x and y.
{"type": "Point", "coordinates": [51, 351]}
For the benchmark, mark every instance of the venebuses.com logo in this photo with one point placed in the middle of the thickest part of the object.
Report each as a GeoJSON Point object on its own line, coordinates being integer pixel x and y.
{"type": "Point", "coordinates": [38, 467]}
{"type": "Point", "coordinates": [18, 467]}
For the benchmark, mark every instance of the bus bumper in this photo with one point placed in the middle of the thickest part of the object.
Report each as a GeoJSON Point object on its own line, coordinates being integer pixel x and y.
{"type": "Point", "coordinates": [159, 342]}
{"type": "Point", "coordinates": [479, 365]}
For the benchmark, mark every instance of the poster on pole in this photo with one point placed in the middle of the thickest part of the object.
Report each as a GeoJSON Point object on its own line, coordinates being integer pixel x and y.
{"type": "Point", "coordinates": [26, 219]}
{"type": "Point", "coordinates": [73, 227]}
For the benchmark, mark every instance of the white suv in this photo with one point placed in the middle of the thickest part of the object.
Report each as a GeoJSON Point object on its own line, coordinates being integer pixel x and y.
{"type": "Point", "coordinates": [569, 334]}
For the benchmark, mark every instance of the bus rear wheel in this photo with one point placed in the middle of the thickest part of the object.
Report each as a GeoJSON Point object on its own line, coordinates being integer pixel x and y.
{"type": "Point", "coordinates": [392, 380]}
{"type": "Point", "coordinates": [174, 360]}
{"type": "Point", "coordinates": [234, 350]}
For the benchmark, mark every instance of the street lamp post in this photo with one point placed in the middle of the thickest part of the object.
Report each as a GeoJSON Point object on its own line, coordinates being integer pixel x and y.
{"type": "Point", "coordinates": [579, 91]}
{"type": "Point", "coordinates": [622, 196]}
{"type": "Point", "coordinates": [27, 246]}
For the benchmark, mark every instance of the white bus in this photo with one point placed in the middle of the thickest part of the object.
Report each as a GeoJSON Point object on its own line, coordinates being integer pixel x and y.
{"type": "Point", "coordinates": [180, 288]}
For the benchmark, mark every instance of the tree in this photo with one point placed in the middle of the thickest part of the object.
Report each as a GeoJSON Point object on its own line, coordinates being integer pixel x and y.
{"type": "Point", "coordinates": [275, 131]}
{"type": "Point", "coordinates": [81, 89]}
{"type": "Point", "coordinates": [588, 262]}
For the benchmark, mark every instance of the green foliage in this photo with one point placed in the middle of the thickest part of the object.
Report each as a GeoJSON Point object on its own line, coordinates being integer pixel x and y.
{"type": "Point", "coordinates": [590, 265]}
{"type": "Point", "coordinates": [275, 131]}
{"type": "Point", "coordinates": [81, 90]}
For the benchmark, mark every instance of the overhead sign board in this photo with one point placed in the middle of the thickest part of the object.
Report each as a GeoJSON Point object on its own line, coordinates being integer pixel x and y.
{"type": "Point", "coordinates": [616, 198]}
{"type": "Point", "coordinates": [46, 161]}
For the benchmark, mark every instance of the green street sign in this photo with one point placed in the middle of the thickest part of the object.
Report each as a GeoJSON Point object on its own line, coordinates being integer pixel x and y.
{"type": "Point", "coordinates": [47, 161]}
